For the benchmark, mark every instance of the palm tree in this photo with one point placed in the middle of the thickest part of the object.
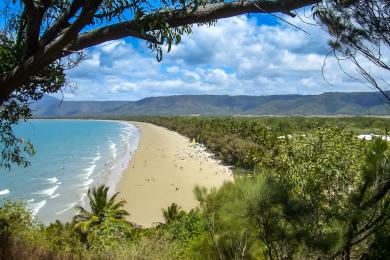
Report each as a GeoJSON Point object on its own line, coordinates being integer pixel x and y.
{"type": "Point", "coordinates": [173, 213]}
{"type": "Point", "coordinates": [103, 208]}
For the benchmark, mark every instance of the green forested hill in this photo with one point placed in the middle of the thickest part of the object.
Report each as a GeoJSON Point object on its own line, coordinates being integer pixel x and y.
{"type": "Point", "coordinates": [361, 103]}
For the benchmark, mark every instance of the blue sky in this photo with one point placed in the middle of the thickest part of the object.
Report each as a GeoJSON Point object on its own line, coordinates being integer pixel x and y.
{"type": "Point", "coordinates": [246, 55]}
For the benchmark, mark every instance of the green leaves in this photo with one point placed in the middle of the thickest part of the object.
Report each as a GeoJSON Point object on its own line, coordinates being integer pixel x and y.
{"type": "Point", "coordinates": [360, 33]}
{"type": "Point", "coordinates": [166, 36]}
{"type": "Point", "coordinates": [376, 161]}
{"type": "Point", "coordinates": [236, 141]}
{"type": "Point", "coordinates": [15, 150]}
{"type": "Point", "coordinates": [185, 227]}
{"type": "Point", "coordinates": [103, 208]}
{"type": "Point", "coordinates": [322, 166]}
{"type": "Point", "coordinates": [173, 213]}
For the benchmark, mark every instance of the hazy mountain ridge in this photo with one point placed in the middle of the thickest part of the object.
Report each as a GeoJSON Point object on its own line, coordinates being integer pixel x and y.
{"type": "Point", "coordinates": [359, 103]}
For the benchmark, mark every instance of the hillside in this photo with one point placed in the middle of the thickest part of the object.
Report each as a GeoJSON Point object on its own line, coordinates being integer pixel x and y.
{"type": "Point", "coordinates": [361, 103]}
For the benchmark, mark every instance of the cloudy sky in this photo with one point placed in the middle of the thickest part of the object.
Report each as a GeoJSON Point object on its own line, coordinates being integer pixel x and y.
{"type": "Point", "coordinates": [246, 55]}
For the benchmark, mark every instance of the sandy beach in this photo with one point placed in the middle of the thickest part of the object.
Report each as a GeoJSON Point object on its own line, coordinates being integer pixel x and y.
{"type": "Point", "coordinates": [164, 169]}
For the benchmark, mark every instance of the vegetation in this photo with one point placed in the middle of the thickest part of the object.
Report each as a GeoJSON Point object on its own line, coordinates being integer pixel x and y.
{"type": "Point", "coordinates": [321, 195]}
{"type": "Point", "coordinates": [173, 213]}
{"type": "Point", "coordinates": [103, 210]}
{"type": "Point", "coordinates": [360, 33]}
{"type": "Point", "coordinates": [253, 142]}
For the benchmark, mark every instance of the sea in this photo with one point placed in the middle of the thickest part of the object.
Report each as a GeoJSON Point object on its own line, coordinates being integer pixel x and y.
{"type": "Point", "coordinates": [71, 156]}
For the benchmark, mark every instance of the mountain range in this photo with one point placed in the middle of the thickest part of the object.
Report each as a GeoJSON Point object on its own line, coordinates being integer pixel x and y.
{"type": "Point", "coordinates": [334, 103]}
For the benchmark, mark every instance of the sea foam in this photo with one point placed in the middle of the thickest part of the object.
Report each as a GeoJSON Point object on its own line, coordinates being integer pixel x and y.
{"type": "Point", "coordinates": [35, 207]}
{"type": "Point", "coordinates": [113, 149]}
{"type": "Point", "coordinates": [52, 180]}
{"type": "Point", "coordinates": [4, 192]}
{"type": "Point", "coordinates": [89, 170]}
{"type": "Point", "coordinates": [87, 183]}
{"type": "Point", "coordinates": [126, 148]}
{"type": "Point", "coordinates": [47, 192]}
{"type": "Point", "coordinates": [96, 158]}
{"type": "Point", "coordinates": [55, 196]}
{"type": "Point", "coordinates": [68, 207]}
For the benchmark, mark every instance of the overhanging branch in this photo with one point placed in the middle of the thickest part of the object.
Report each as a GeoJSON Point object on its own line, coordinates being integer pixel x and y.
{"type": "Point", "coordinates": [178, 18]}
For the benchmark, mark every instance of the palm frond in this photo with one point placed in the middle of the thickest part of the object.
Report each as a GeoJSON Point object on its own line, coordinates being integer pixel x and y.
{"type": "Point", "coordinates": [102, 207]}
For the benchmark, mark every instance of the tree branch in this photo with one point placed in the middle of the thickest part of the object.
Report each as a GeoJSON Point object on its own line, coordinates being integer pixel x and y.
{"type": "Point", "coordinates": [62, 22]}
{"type": "Point", "coordinates": [53, 51]}
{"type": "Point", "coordinates": [34, 19]}
{"type": "Point", "coordinates": [380, 193]}
{"type": "Point", "coordinates": [182, 17]}
{"type": "Point", "coordinates": [29, 4]}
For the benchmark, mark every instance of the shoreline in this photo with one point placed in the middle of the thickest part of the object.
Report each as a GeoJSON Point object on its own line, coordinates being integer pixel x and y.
{"type": "Point", "coordinates": [164, 169]}
{"type": "Point", "coordinates": [115, 174]}
{"type": "Point", "coordinates": [74, 155]}
{"type": "Point", "coordinates": [160, 167]}
{"type": "Point", "coordinates": [114, 171]}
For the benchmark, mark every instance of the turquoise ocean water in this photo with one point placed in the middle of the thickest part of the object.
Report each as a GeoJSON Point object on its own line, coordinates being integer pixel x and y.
{"type": "Point", "coordinates": [72, 155]}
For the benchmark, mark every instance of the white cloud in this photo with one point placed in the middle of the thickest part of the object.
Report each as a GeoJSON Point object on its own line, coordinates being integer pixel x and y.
{"type": "Point", "coordinates": [173, 69]}
{"type": "Point", "coordinates": [237, 56]}
{"type": "Point", "coordinates": [108, 47]}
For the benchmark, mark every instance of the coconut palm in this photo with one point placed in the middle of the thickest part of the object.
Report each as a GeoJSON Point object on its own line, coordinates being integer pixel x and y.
{"type": "Point", "coordinates": [173, 213]}
{"type": "Point", "coordinates": [103, 208]}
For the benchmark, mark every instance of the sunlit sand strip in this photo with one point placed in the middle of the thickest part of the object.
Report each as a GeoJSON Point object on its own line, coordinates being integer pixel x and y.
{"type": "Point", "coordinates": [165, 169]}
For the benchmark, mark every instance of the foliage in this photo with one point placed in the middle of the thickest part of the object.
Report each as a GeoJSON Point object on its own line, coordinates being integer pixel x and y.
{"type": "Point", "coordinates": [380, 247]}
{"type": "Point", "coordinates": [15, 217]}
{"type": "Point", "coordinates": [103, 209]}
{"type": "Point", "coordinates": [63, 238]}
{"type": "Point", "coordinates": [16, 108]}
{"type": "Point", "coordinates": [249, 142]}
{"type": "Point", "coordinates": [361, 32]}
{"type": "Point", "coordinates": [240, 142]}
{"type": "Point", "coordinates": [321, 167]}
{"type": "Point", "coordinates": [113, 238]}
{"type": "Point", "coordinates": [22, 237]}
{"type": "Point", "coordinates": [154, 247]}
{"type": "Point", "coordinates": [187, 228]}
{"type": "Point", "coordinates": [173, 213]}
{"type": "Point", "coordinates": [322, 195]}
{"type": "Point", "coordinates": [369, 205]}
{"type": "Point", "coordinates": [230, 234]}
